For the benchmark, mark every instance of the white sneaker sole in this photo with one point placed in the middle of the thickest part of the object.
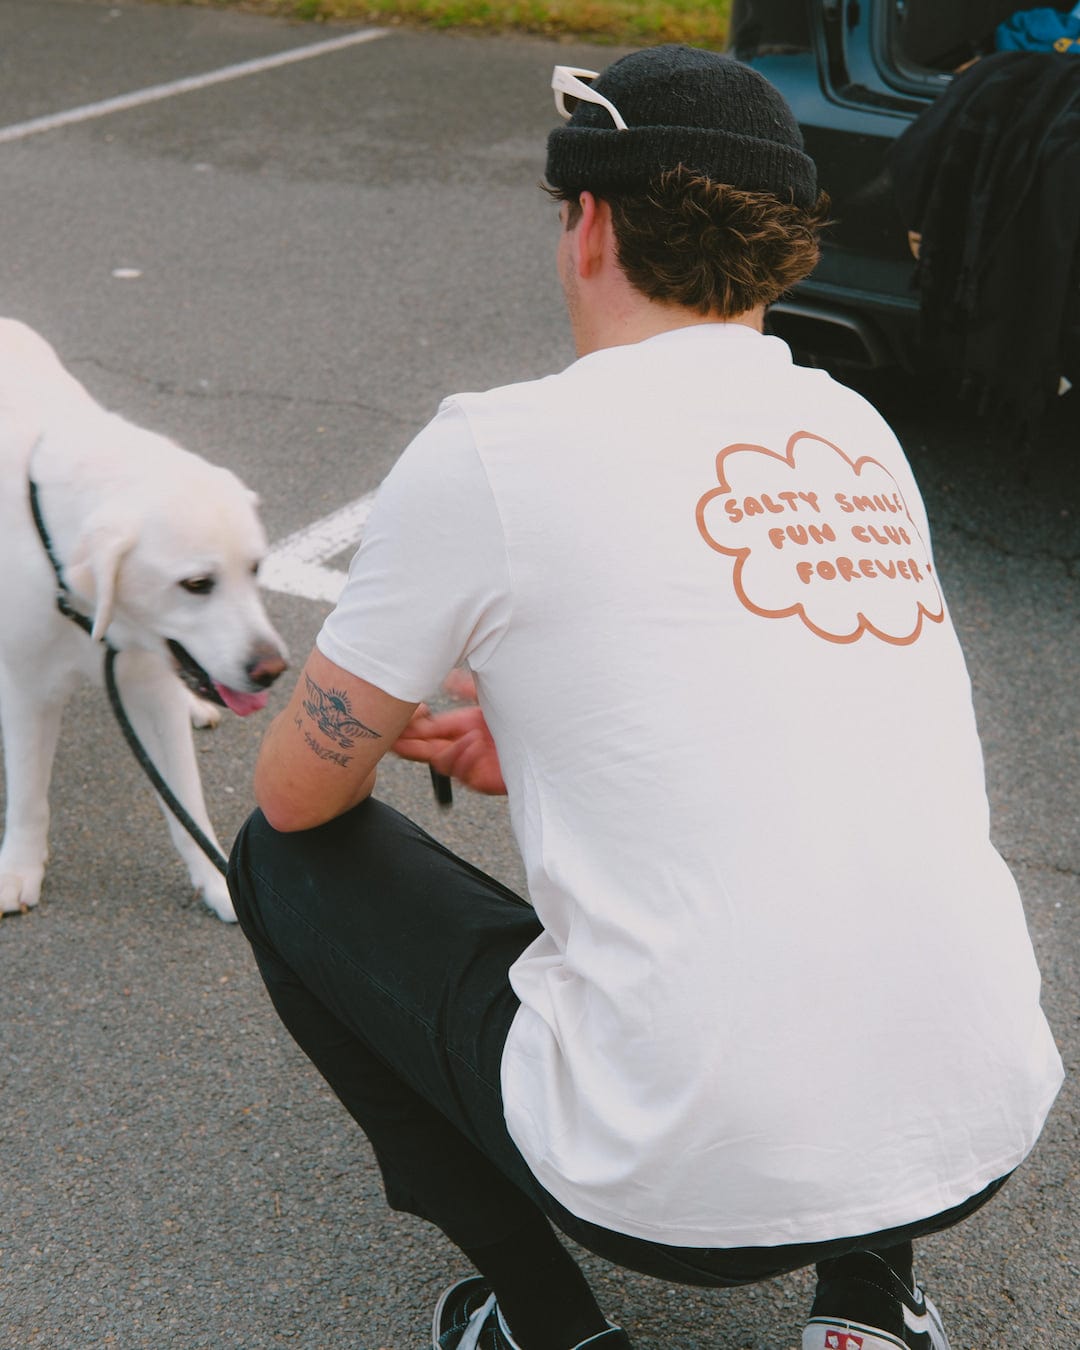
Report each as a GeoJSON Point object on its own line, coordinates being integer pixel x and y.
{"type": "Point", "coordinates": [823, 1333]}
{"type": "Point", "coordinates": [826, 1333]}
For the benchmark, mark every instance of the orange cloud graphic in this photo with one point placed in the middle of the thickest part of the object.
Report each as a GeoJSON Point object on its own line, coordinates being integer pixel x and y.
{"type": "Point", "coordinates": [817, 534]}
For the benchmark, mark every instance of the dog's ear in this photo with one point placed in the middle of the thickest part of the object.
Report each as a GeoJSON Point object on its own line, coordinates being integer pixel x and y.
{"type": "Point", "coordinates": [95, 570]}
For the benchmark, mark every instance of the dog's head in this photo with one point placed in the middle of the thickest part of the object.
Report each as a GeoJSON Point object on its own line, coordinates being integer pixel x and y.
{"type": "Point", "coordinates": [168, 558]}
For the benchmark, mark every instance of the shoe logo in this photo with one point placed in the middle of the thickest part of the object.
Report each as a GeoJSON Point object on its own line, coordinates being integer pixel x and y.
{"type": "Point", "coordinates": [919, 1321]}
{"type": "Point", "coordinates": [842, 1340]}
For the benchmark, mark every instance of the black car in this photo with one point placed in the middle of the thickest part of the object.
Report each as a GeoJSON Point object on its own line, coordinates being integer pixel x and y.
{"type": "Point", "coordinates": [856, 73]}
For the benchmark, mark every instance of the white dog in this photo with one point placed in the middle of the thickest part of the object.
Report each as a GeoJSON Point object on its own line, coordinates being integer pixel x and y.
{"type": "Point", "coordinates": [159, 549]}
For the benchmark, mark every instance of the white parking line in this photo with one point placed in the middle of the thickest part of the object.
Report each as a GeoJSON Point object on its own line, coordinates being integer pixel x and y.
{"type": "Point", "coordinates": [18, 130]}
{"type": "Point", "coordinates": [295, 566]}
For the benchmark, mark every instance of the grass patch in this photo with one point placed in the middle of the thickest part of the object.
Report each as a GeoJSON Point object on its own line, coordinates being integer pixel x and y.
{"type": "Point", "coordinates": [701, 23]}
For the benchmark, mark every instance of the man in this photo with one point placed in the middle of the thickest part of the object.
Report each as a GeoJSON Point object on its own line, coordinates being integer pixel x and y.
{"type": "Point", "coordinates": [773, 1003]}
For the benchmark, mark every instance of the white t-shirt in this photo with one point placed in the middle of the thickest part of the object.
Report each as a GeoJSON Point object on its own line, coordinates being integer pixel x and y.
{"type": "Point", "coordinates": [785, 990]}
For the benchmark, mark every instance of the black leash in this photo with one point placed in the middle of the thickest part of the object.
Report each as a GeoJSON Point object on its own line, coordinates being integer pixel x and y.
{"type": "Point", "coordinates": [443, 787]}
{"type": "Point", "coordinates": [64, 605]}
{"type": "Point", "coordinates": [150, 769]}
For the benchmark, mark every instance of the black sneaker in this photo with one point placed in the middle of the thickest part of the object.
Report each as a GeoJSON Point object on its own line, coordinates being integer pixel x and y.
{"type": "Point", "coordinates": [468, 1318]}
{"type": "Point", "coordinates": [868, 1307]}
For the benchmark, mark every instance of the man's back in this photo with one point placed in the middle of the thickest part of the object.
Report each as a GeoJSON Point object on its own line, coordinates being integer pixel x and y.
{"type": "Point", "coordinates": [736, 730]}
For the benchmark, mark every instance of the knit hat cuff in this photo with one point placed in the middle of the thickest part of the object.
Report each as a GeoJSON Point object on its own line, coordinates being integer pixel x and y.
{"type": "Point", "coordinates": [605, 160]}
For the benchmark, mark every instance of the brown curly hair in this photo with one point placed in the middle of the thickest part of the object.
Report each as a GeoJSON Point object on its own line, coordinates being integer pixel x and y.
{"type": "Point", "coordinates": [710, 247]}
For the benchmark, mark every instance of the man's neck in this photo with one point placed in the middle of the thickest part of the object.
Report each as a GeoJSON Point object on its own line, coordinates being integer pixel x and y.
{"type": "Point", "coordinates": [637, 322]}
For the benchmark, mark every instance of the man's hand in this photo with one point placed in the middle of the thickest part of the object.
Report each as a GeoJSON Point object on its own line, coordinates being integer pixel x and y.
{"type": "Point", "coordinates": [456, 743]}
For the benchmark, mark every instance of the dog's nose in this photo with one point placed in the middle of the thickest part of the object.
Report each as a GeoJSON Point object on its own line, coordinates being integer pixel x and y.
{"type": "Point", "coordinates": [265, 666]}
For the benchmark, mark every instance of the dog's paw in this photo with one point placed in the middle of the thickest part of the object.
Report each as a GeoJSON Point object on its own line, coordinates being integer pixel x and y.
{"type": "Point", "coordinates": [215, 894]}
{"type": "Point", "coordinates": [203, 714]}
{"type": "Point", "coordinates": [20, 889]}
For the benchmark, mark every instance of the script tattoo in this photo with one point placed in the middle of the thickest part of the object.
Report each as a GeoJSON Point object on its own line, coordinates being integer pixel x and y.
{"type": "Point", "coordinates": [331, 712]}
{"type": "Point", "coordinates": [324, 752]}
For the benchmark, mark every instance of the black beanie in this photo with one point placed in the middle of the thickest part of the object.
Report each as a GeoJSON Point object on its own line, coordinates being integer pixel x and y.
{"type": "Point", "coordinates": [682, 105]}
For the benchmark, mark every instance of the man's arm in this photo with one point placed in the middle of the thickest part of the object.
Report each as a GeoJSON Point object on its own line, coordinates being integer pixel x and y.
{"type": "Point", "coordinates": [318, 757]}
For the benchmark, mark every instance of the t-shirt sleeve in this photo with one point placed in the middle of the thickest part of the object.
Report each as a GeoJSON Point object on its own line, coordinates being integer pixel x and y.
{"type": "Point", "coordinates": [428, 588]}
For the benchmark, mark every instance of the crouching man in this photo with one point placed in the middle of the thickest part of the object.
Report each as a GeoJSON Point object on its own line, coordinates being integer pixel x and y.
{"type": "Point", "coordinates": [773, 1002]}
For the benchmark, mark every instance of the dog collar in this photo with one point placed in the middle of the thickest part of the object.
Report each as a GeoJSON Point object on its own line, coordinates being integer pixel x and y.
{"type": "Point", "coordinates": [63, 593]}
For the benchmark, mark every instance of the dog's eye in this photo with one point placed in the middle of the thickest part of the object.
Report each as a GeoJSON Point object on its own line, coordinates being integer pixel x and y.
{"type": "Point", "coordinates": [198, 585]}
{"type": "Point", "coordinates": [255, 569]}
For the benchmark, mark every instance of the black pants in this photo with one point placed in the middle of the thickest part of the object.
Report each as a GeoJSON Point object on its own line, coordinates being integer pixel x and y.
{"type": "Point", "coordinates": [386, 957]}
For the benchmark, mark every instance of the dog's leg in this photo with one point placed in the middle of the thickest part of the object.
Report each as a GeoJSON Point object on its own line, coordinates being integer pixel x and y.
{"type": "Point", "coordinates": [30, 724]}
{"type": "Point", "coordinates": [159, 708]}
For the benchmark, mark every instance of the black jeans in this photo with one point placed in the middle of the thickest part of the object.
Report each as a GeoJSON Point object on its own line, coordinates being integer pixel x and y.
{"type": "Point", "coordinates": [386, 957]}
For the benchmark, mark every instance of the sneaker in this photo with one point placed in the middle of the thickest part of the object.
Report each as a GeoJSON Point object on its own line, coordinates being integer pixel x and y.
{"type": "Point", "coordinates": [461, 1315]}
{"type": "Point", "coordinates": [468, 1318]}
{"type": "Point", "coordinates": [868, 1307]}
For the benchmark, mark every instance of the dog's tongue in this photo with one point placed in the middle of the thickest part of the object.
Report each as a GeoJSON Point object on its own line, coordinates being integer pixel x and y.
{"type": "Point", "coordinates": [242, 704]}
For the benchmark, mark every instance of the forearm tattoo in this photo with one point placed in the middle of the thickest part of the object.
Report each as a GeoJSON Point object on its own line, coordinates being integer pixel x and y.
{"type": "Point", "coordinates": [331, 712]}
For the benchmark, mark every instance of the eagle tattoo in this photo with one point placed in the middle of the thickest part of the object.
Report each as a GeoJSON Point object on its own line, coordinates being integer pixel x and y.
{"type": "Point", "coordinates": [331, 712]}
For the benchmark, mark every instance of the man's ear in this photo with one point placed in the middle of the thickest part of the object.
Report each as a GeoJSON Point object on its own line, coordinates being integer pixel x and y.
{"type": "Point", "coordinates": [94, 571]}
{"type": "Point", "coordinates": [593, 233]}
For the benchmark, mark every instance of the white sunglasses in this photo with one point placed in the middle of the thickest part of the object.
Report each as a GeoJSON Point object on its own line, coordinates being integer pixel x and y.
{"type": "Point", "coordinates": [569, 84]}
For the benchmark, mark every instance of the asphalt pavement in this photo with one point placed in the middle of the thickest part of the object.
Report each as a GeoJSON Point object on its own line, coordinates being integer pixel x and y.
{"type": "Point", "coordinates": [286, 270]}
